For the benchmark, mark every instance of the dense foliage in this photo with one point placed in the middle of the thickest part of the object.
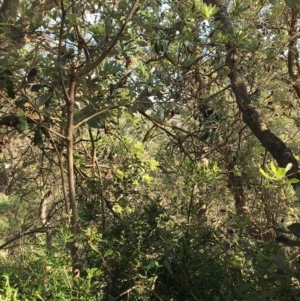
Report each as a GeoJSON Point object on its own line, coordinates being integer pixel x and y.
{"type": "Point", "coordinates": [149, 150]}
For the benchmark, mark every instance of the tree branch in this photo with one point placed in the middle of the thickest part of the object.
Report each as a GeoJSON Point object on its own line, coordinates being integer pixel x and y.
{"type": "Point", "coordinates": [293, 52]}
{"type": "Point", "coordinates": [273, 144]}
{"type": "Point", "coordinates": [105, 53]}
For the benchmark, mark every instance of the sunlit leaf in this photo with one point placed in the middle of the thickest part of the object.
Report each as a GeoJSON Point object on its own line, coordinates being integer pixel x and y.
{"type": "Point", "coordinates": [117, 208]}
{"type": "Point", "coordinates": [147, 178]}
{"type": "Point", "coordinates": [208, 10]}
{"type": "Point", "coordinates": [273, 168]}
{"type": "Point", "coordinates": [264, 174]}
{"type": "Point", "coordinates": [280, 173]}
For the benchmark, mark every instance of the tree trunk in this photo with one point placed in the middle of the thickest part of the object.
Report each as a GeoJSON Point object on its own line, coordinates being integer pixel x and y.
{"type": "Point", "coordinates": [273, 144]}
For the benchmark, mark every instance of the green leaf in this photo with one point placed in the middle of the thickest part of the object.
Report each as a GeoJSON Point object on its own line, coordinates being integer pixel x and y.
{"type": "Point", "coordinates": [22, 126]}
{"type": "Point", "coordinates": [291, 181]}
{"type": "Point", "coordinates": [264, 174]}
{"type": "Point", "coordinates": [21, 102]}
{"type": "Point", "coordinates": [294, 228]}
{"type": "Point", "coordinates": [281, 229]}
{"type": "Point", "coordinates": [92, 84]}
{"type": "Point", "coordinates": [298, 191]}
{"type": "Point", "coordinates": [271, 54]}
{"type": "Point", "coordinates": [6, 82]}
{"type": "Point", "coordinates": [10, 89]}
{"type": "Point", "coordinates": [36, 88]}
{"type": "Point", "coordinates": [148, 28]}
{"type": "Point", "coordinates": [153, 164]}
{"type": "Point", "coordinates": [273, 168]}
{"type": "Point", "coordinates": [41, 100]}
{"type": "Point", "coordinates": [108, 252]}
{"type": "Point", "coordinates": [241, 7]}
{"type": "Point", "coordinates": [287, 242]}
{"type": "Point", "coordinates": [38, 138]}
{"type": "Point", "coordinates": [208, 10]}
{"type": "Point", "coordinates": [117, 208]}
{"type": "Point", "coordinates": [250, 45]}
{"type": "Point", "coordinates": [270, 186]}
{"type": "Point", "coordinates": [108, 25]}
{"type": "Point", "coordinates": [281, 263]}
{"type": "Point", "coordinates": [282, 238]}
{"type": "Point", "coordinates": [147, 178]}
{"type": "Point", "coordinates": [124, 37]}
{"type": "Point", "coordinates": [280, 173]}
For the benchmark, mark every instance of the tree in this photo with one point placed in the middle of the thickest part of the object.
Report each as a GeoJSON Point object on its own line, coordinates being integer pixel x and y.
{"type": "Point", "coordinates": [132, 122]}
